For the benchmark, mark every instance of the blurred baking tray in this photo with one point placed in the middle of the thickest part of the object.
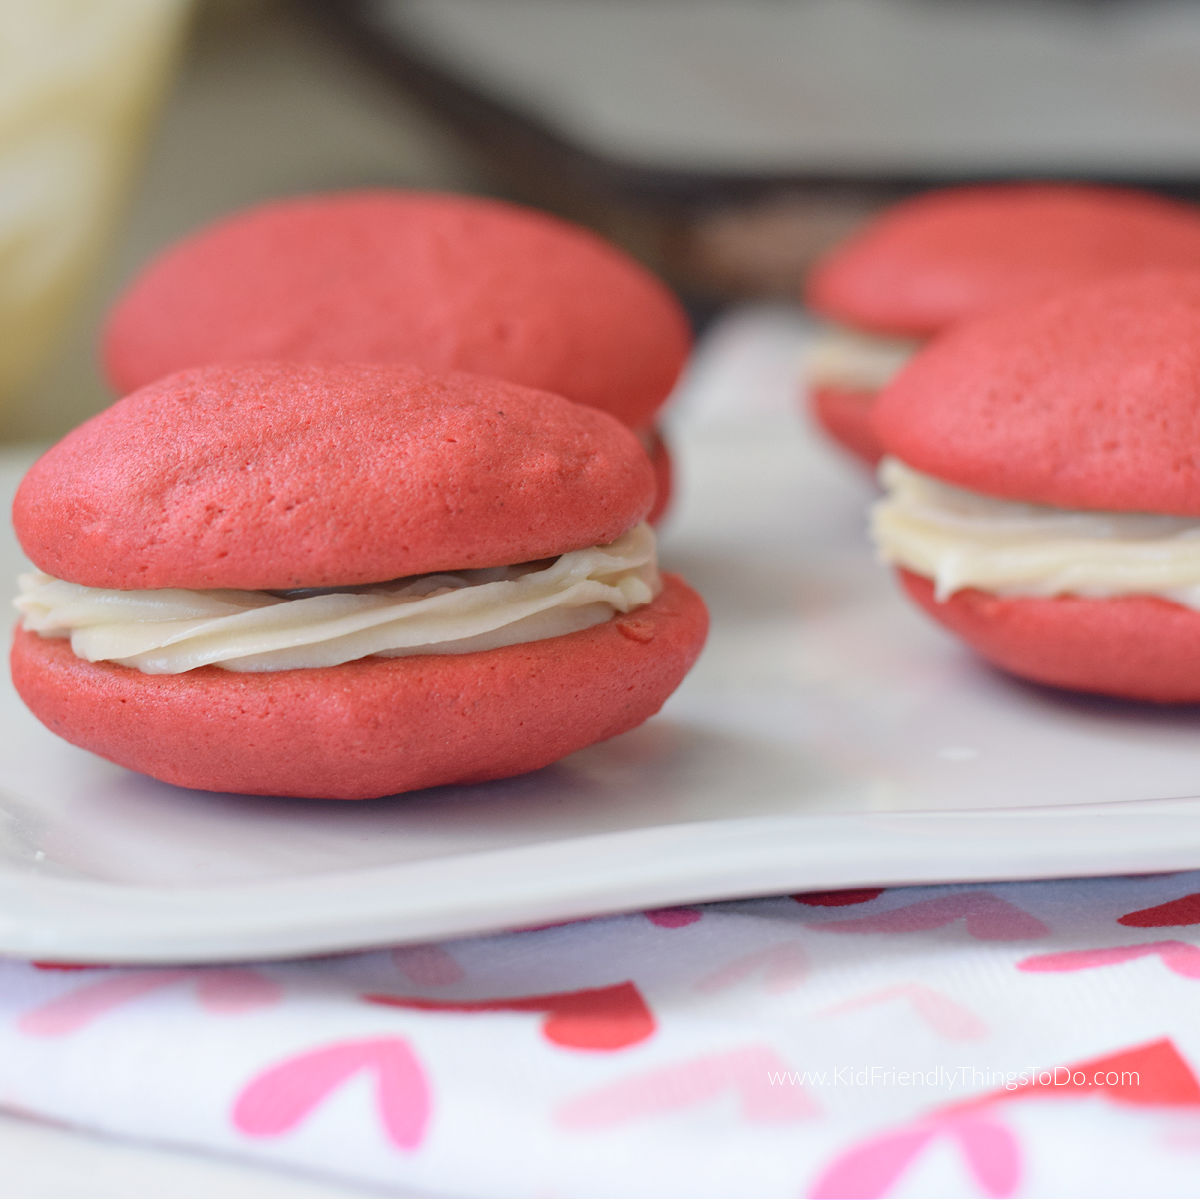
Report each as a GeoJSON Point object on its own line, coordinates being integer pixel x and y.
{"type": "Point", "coordinates": [829, 737]}
{"type": "Point", "coordinates": [727, 141]}
{"type": "Point", "coordinates": [827, 89]}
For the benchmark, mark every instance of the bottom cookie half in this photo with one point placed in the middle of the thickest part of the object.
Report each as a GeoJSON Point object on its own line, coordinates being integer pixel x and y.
{"type": "Point", "coordinates": [1137, 647]}
{"type": "Point", "coordinates": [376, 726]}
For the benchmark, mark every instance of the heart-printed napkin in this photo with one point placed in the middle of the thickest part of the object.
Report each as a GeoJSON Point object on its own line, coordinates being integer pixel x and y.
{"type": "Point", "coordinates": [985, 1040]}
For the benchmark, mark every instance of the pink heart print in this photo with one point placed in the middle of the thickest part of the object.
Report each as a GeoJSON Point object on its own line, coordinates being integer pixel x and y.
{"type": "Point", "coordinates": [780, 967]}
{"type": "Point", "coordinates": [871, 1168]}
{"type": "Point", "coordinates": [937, 1010]}
{"type": "Point", "coordinates": [226, 991]}
{"type": "Point", "coordinates": [427, 966]}
{"type": "Point", "coordinates": [746, 1072]}
{"type": "Point", "coordinates": [279, 1099]}
{"type": "Point", "coordinates": [988, 917]}
{"type": "Point", "coordinates": [673, 918]}
{"type": "Point", "coordinates": [1181, 958]}
{"type": "Point", "coordinates": [1153, 1075]}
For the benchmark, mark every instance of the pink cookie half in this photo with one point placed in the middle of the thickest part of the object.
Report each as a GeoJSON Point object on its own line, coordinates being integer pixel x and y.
{"type": "Point", "coordinates": [284, 475]}
{"type": "Point", "coordinates": [376, 726]}
{"type": "Point", "coordinates": [1087, 399]}
{"type": "Point", "coordinates": [952, 254]}
{"type": "Point", "coordinates": [845, 414]}
{"type": "Point", "coordinates": [1135, 647]}
{"type": "Point", "coordinates": [664, 476]}
{"type": "Point", "coordinates": [446, 282]}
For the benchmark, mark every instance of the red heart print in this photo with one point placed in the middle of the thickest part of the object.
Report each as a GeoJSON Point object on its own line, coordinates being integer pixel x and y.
{"type": "Point", "coordinates": [837, 899]}
{"type": "Point", "coordinates": [1151, 1074]}
{"type": "Point", "coordinates": [988, 918]}
{"type": "Point", "coordinates": [606, 1018]}
{"type": "Point", "coordinates": [1183, 911]}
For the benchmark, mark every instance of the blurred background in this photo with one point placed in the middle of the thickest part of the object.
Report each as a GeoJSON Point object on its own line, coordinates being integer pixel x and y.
{"type": "Point", "coordinates": [725, 142]}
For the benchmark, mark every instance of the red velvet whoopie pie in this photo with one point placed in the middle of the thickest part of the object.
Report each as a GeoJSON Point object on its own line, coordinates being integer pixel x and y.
{"type": "Point", "coordinates": [444, 282]}
{"type": "Point", "coordinates": [344, 581]}
{"type": "Point", "coordinates": [957, 253]}
{"type": "Point", "coordinates": [1043, 486]}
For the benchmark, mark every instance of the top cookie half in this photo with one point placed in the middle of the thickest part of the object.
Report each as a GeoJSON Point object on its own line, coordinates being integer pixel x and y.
{"type": "Point", "coordinates": [278, 475]}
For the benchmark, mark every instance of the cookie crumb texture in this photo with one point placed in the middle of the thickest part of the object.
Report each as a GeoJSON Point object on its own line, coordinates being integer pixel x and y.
{"type": "Point", "coordinates": [1134, 647]}
{"type": "Point", "coordinates": [376, 726]}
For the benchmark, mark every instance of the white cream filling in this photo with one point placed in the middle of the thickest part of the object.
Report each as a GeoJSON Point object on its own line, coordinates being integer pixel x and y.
{"type": "Point", "coordinates": [170, 630]}
{"type": "Point", "coordinates": [857, 361]}
{"type": "Point", "coordinates": [961, 539]}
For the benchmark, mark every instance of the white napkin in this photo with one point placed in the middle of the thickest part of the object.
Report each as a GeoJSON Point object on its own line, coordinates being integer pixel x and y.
{"type": "Point", "coordinates": [758, 1048]}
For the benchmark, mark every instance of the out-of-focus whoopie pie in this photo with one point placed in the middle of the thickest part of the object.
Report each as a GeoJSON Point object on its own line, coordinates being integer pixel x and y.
{"type": "Point", "coordinates": [344, 581]}
{"type": "Point", "coordinates": [957, 253]}
{"type": "Point", "coordinates": [441, 281]}
{"type": "Point", "coordinates": [1043, 486]}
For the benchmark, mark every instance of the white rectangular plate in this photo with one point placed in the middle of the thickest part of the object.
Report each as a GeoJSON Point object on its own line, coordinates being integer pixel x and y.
{"type": "Point", "coordinates": [829, 737]}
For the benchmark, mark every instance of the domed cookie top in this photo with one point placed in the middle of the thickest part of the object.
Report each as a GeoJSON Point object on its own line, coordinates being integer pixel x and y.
{"type": "Point", "coordinates": [445, 282]}
{"type": "Point", "coordinates": [946, 255]}
{"type": "Point", "coordinates": [274, 476]}
{"type": "Point", "coordinates": [1086, 399]}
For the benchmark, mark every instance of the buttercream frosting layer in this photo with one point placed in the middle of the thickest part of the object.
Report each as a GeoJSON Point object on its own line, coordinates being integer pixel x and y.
{"type": "Point", "coordinates": [170, 630]}
{"type": "Point", "coordinates": [962, 539]}
{"type": "Point", "coordinates": [857, 361]}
